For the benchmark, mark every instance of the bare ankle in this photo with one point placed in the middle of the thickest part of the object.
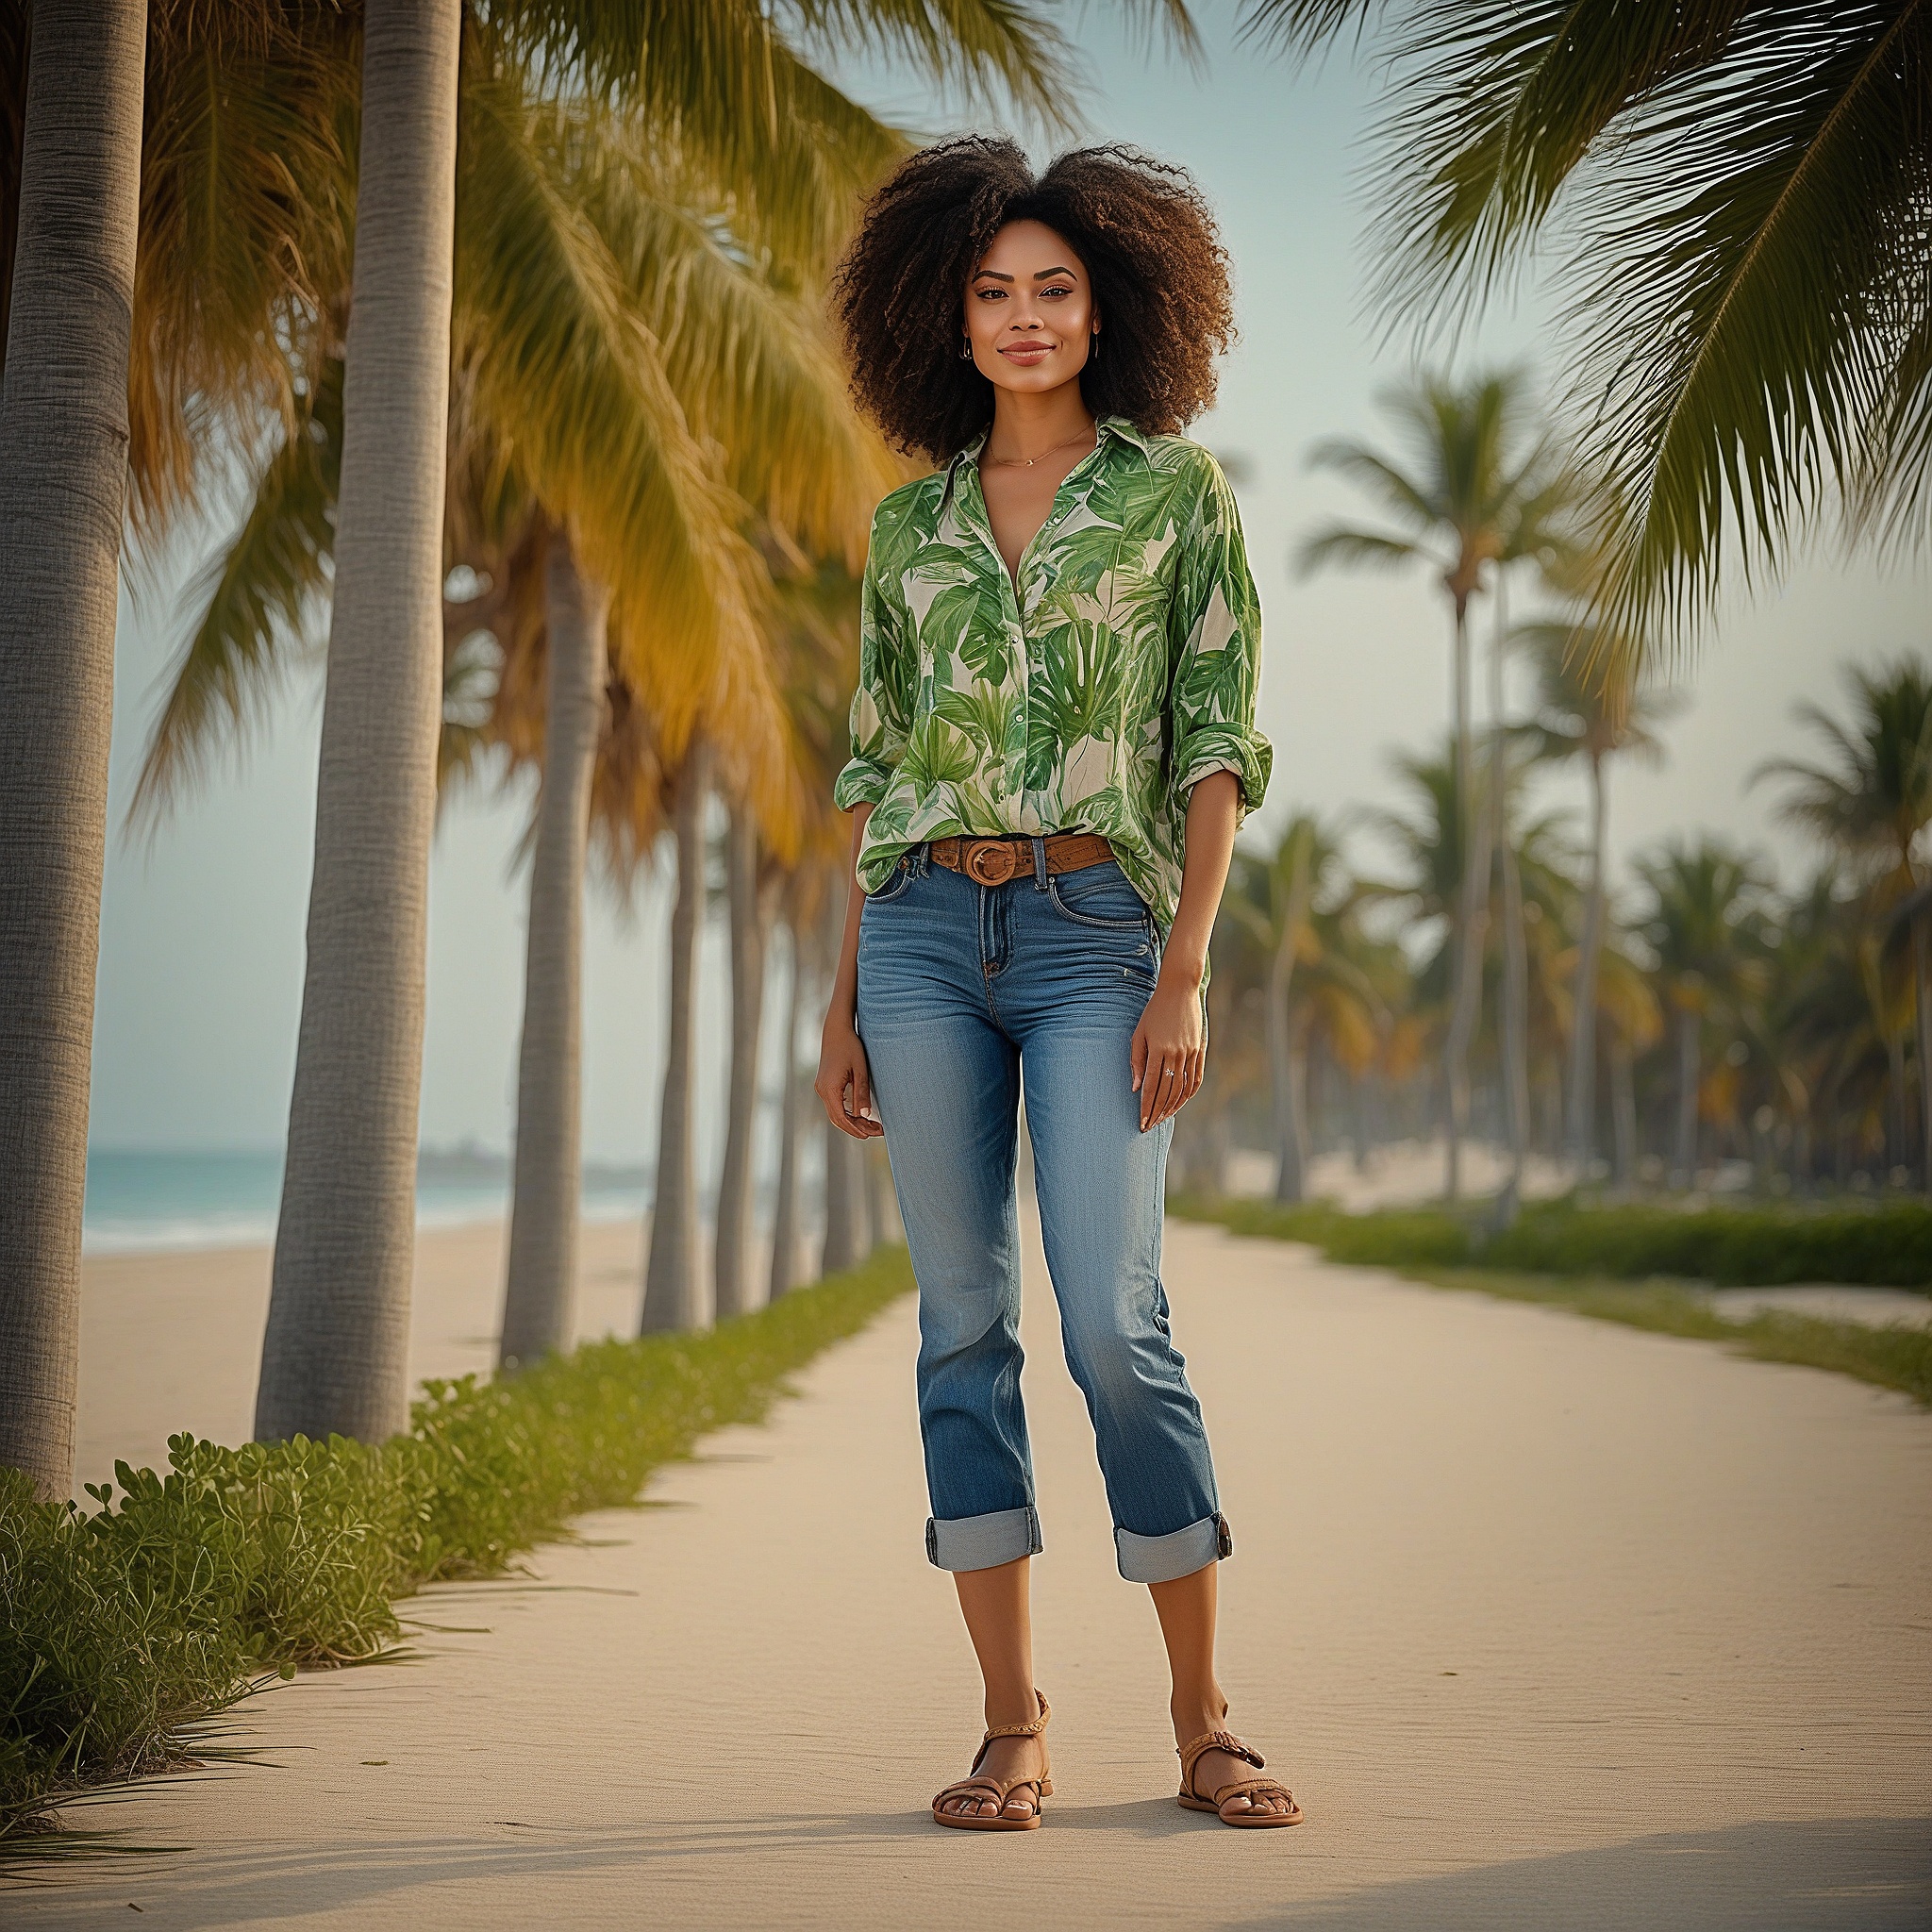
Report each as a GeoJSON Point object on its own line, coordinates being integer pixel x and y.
{"type": "Point", "coordinates": [1196, 1713]}
{"type": "Point", "coordinates": [1010, 1706]}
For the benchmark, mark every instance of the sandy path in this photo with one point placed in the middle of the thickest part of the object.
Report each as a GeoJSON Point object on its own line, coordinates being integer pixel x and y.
{"type": "Point", "coordinates": [1549, 1624]}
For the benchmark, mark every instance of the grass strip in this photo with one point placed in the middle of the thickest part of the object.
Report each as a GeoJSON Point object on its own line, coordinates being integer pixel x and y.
{"type": "Point", "coordinates": [1894, 1356]}
{"type": "Point", "coordinates": [123, 1626]}
{"type": "Point", "coordinates": [1884, 1246]}
{"type": "Point", "coordinates": [1421, 1245]}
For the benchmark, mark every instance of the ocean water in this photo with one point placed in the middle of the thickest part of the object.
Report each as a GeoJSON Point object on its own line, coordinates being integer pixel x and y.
{"type": "Point", "coordinates": [139, 1202]}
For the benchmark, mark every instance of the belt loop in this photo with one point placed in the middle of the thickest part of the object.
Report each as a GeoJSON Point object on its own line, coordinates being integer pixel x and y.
{"type": "Point", "coordinates": [1039, 863]}
{"type": "Point", "coordinates": [922, 857]}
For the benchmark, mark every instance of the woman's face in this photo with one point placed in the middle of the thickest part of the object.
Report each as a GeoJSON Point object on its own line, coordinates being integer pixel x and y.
{"type": "Point", "coordinates": [1029, 309]}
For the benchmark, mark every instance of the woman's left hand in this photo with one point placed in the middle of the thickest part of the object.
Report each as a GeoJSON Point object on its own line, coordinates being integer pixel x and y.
{"type": "Point", "coordinates": [1169, 1051]}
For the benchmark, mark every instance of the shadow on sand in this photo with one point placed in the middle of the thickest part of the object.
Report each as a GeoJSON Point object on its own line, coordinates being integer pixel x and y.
{"type": "Point", "coordinates": [1864, 1874]}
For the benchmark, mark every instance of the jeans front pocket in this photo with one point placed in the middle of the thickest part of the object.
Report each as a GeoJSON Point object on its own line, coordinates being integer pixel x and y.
{"type": "Point", "coordinates": [1099, 895]}
{"type": "Point", "coordinates": [896, 881]}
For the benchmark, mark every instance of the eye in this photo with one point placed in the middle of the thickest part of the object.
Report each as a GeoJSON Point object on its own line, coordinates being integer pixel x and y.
{"type": "Point", "coordinates": [989, 293]}
{"type": "Point", "coordinates": [1056, 289]}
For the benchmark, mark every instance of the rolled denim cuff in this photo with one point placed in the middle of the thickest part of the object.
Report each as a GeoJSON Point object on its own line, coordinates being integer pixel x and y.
{"type": "Point", "coordinates": [1162, 1558]}
{"type": "Point", "coordinates": [982, 1542]}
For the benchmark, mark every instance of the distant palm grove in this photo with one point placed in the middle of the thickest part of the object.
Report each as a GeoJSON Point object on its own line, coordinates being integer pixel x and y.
{"type": "Point", "coordinates": [484, 342]}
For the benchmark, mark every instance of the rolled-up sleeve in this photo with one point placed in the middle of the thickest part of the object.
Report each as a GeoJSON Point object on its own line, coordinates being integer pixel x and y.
{"type": "Point", "coordinates": [881, 708]}
{"type": "Point", "coordinates": [1215, 644]}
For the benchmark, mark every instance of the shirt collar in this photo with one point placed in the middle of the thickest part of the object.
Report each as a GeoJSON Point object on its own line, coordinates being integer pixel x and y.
{"type": "Point", "coordinates": [1108, 425]}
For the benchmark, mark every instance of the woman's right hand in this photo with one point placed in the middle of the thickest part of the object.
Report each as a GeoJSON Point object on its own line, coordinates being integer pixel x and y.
{"type": "Point", "coordinates": [844, 1082]}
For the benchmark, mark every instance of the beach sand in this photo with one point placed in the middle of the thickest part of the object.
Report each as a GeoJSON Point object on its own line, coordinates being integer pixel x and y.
{"type": "Point", "coordinates": [173, 1341]}
{"type": "Point", "coordinates": [1549, 1622]}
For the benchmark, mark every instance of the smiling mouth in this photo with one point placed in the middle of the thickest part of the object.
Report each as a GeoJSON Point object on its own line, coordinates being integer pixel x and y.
{"type": "Point", "coordinates": [1027, 349]}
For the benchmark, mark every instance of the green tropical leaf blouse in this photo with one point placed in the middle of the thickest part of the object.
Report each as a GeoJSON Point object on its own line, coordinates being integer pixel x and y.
{"type": "Point", "coordinates": [1124, 671]}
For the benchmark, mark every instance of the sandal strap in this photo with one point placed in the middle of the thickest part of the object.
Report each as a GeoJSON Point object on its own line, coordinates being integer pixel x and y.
{"type": "Point", "coordinates": [1032, 1730]}
{"type": "Point", "coordinates": [1192, 1752]}
{"type": "Point", "coordinates": [1252, 1788]}
{"type": "Point", "coordinates": [1001, 1789]}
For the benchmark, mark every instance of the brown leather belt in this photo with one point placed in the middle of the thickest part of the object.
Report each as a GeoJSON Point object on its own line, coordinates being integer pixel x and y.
{"type": "Point", "coordinates": [994, 861]}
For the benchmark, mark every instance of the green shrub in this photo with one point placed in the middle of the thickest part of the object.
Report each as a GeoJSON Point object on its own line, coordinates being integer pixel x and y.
{"type": "Point", "coordinates": [1889, 1246]}
{"type": "Point", "coordinates": [120, 1627]}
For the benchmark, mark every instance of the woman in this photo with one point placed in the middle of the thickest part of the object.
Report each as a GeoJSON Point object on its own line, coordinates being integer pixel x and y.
{"type": "Point", "coordinates": [1053, 745]}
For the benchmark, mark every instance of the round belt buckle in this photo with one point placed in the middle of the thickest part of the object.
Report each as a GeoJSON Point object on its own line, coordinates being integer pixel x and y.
{"type": "Point", "coordinates": [991, 864]}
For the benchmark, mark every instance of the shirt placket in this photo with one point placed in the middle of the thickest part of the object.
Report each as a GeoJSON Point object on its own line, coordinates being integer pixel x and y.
{"type": "Point", "coordinates": [1014, 600]}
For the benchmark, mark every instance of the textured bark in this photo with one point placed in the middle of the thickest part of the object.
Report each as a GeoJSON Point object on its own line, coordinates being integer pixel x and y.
{"type": "Point", "coordinates": [1582, 1126]}
{"type": "Point", "coordinates": [336, 1354]}
{"type": "Point", "coordinates": [670, 1272]}
{"type": "Point", "coordinates": [1466, 999]}
{"type": "Point", "coordinates": [792, 1097]}
{"type": "Point", "coordinates": [750, 905]}
{"type": "Point", "coordinates": [63, 428]}
{"type": "Point", "coordinates": [539, 1294]}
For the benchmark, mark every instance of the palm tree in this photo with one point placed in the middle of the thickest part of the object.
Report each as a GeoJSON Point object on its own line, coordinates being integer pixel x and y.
{"type": "Point", "coordinates": [335, 1357]}
{"type": "Point", "coordinates": [1275, 896]}
{"type": "Point", "coordinates": [737, 94]}
{"type": "Point", "coordinates": [1742, 192]}
{"type": "Point", "coordinates": [63, 425]}
{"type": "Point", "coordinates": [1588, 708]}
{"type": "Point", "coordinates": [1708, 898]}
{"type": "Point", "coordinates": [1872, 800]}
{"type": "Point", "coordinates": [670, 1269]}
{"type": "Point", "coordinates": [1633, 1021]}
{"type": "Point", "coordinates": [1482, 488]}
{"type": "Point", "coordinates": [539, 1294]}
{"type": "Point", "coordinates": [551, 366]}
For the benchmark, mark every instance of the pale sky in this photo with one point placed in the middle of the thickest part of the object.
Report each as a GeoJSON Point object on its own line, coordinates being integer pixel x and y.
{"type": "Point", "coordinates": [202, 933]}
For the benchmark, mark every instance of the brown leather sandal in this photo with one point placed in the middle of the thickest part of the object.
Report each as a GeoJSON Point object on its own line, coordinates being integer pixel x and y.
{"type": "Point", "coordinates": [1191, 1754]}
{"type": "Point", "coordinates": [973, 1786]}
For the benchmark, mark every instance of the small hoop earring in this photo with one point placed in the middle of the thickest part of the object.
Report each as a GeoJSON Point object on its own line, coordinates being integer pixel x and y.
{"type": "Point", "coordinates": [965, 348]}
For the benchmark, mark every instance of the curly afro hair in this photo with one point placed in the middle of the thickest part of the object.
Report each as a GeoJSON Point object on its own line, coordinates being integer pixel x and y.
{"type": "Point", "coordinates": [1158, 267]}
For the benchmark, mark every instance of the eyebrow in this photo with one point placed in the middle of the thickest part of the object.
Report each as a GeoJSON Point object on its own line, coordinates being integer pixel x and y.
{"type": "Point", "coordinates": [1040, 274]}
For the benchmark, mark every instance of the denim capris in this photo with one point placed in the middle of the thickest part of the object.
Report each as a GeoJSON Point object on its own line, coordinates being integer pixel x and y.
{"type": "Point", "coordinates": [963, 989]}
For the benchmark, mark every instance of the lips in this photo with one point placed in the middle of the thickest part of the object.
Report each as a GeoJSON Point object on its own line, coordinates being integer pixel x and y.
{"type": "Point", "coordinates": [1028, 352]}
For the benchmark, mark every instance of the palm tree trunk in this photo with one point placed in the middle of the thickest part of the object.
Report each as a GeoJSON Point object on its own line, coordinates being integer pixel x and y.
{"type": "Point", "coordinates": [784, 1276]}
{"type": "Point", "coordinates": [1582, 1126]}
{"type": "Point", "coordinates": [1921, 992]}
{"type": "Point", "coordinates": [63, 426]}
{"type": "Point", "coordinates": [336, 1354]}
{"type": "Point", "coordinates": [843, 1245]}
{"type": "Point", "coordinates": [1622, 1115]}
{"type": "Point", "coordinates": [845, 1203]}
{"type": "Point", "coordinates": [882, 1202]}
{"type": "Point", "coordinates": [1468, 982]}
{"type": "Point", "coordinates": [1688, 1027]}
{"type": "Point", "coordinates": [732, 1228]}
{"type": "Point", "coordinates": [671, 1273]}
{"type": "Point", "coordinates": [1290, 1165]}
{"type": "Point", "coordinates": [538, 1303]}
{"type": "Point", "coordinates": [1515, 1032]}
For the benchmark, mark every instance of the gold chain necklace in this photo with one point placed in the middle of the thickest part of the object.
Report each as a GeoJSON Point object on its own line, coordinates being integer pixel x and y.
{"type": "Point", "coordinates": [1013, 462]}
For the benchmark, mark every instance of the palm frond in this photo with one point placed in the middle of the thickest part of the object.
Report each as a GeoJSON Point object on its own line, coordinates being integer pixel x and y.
{"type": "Point", "coordinates": [247, 181]}
{"type": "Point", "coordinates": [1342, 545]}
{"type": "Point", "coordinates": [1742, 193]}
{"type": "Point", "coordinates": [258, 596]}
{"type": "Point", "coordinates": [575, 385]}
{"type": "Point", "coordinates": [707, 67]}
